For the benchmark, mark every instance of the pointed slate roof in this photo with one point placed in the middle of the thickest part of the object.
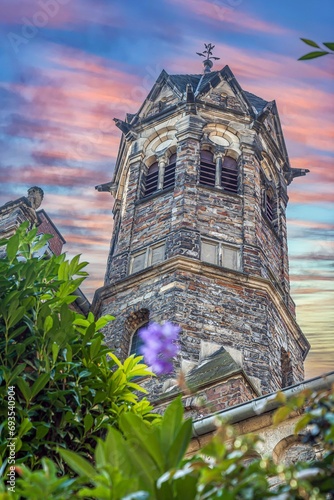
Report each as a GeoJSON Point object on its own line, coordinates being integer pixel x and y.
{"type": "Point", "coordinates": [181, 81]}
{"type": "Point", "coordinates": [219, 366]}
{"type": "Point", "coordinates": [258, 103]}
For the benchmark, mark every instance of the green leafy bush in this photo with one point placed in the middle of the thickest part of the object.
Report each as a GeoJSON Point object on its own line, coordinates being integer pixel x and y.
{"type": "Point", "coordinates": [68, 386]}
{"type": "Point", "coordinates": [142, 461]}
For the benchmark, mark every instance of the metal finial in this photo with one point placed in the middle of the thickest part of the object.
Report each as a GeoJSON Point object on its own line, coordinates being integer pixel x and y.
{"type": "Point", "coordinates": [207, 53]}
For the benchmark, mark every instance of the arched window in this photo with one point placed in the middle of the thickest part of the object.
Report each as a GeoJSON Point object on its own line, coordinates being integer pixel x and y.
{"type": "Point", "coordinates": [151, 181]}
{"type": "Point", "coordinates": [136, 341]}
{"type": "Point", "coordinates": [229, 178]}
{"type": "Point", "coordinates": [222, 173]}
{"type": "Point", "coordinates": [169, 176]}
{"type": "Point", "coordinates": [159, 177]}
{"type": "Point", "coordinates": [207, 173]}
{"type": "Point", "coordinates": [269, 204]}
{"type": "Point", "coordinates": [286, 369]}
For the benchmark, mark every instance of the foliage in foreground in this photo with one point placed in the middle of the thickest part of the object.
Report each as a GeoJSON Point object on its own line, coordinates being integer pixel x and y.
{"type": "Point", "coordinates": [68, 386]}
{"type": "Point", "coordinates": [143, 461]}
{"type": "Point", "coordinates": [317, 53]}
{"type": "Point", "coordinates": [76, 405]}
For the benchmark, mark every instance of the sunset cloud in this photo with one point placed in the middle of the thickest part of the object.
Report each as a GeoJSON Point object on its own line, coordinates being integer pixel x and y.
{"type": "Point", "coordinates": [94, 60]}
{"type": "Point", "coordinates": [228, 16]}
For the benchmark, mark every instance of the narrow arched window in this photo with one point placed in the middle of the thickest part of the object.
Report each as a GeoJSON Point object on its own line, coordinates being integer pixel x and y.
{"type": "Point", "coordinates": [151, 181]}
{"type": "Point", "coordinates": [136, 341]}
{"type": "Point", "coordinates": [269, 205]}
{"type": "Point", "coordinates": [286, 369]}
{"type": "Point", "coordinates": [169, 175]}
{"type": "Point", "coordinates": [229, 177]}
{"type": "Point", "coordinates": [207, 174]}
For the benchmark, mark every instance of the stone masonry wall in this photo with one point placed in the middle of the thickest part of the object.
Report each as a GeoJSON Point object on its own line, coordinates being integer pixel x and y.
{"type": "Point", "coordinates": [233, 391]}
{"type": "Point", "coordinates": [213, 305]}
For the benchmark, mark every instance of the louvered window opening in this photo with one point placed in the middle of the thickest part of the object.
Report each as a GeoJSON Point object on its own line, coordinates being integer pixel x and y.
{"type": "Point", "coordinates": [169, 177]}
{"type": "Point", "coordinates": [207, 169]}
{"type": "Point", "coordinates": [151, 181]}
{"type": "Point", "coordinates": [230, 175]}
{"type": "Point", "coordinates": [269, 207]}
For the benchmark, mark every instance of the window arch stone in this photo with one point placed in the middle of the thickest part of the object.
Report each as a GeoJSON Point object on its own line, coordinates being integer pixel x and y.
{"type": "Point", "coordinates": [133, 323]}
{"type": "Point", "coordinates": [291, 449]}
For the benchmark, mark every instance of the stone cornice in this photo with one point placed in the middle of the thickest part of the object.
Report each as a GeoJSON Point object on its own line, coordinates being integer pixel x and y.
{"type": "Point", "coordinates": [230, 277]}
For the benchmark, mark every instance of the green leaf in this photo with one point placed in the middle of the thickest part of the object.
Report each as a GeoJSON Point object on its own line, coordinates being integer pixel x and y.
{"type": "Point", "coordinates": [16, 316]}
{"type": "Point", "coordinates": [171, 423]}
{"type": "Point", "coordinates": [310, 42]}
{"type": "Point", "coordinates": [48, 324]}
{"type": "Point", "coordinates": [95, 347]}
{"type": "Point", "coordinates": [329, 45]}
{"type": "Point", "coordinates": [88, 422]}
{"type": "Point", "coordinates": [25, 427]}
{"type": "Point", "coordinates": [42, 430]}
{"type": "Point", "coordinates": [15, 373]}
{"type": "Point", "coordinates": [24, 388]}
{"type": "Point", "coordinates": [77, 463]}
{"type": "Point", "coordinates": [55, 351]}
{"type": "Point", "coordinates": [281, 414]}
{"type": "Point", "coordinates": [144, 436]}
{"type": "Point", "coordinates": [40, 384]}
{"type": "Point", "coordinates": [13, 246]}
{"type": "Point", "coordinates": [113, 452]}
{"type": "Point", "coordinates": [103, 321]}
{"type": "Point", "coordinates": [313, 55]}
{"type": "Point", "coordinates": [303, 422]}
{"type": "Point", "coordinates": [81, 322]}
{"type": "Point", "coordinates": [115, 359]}
{"type": "Point", "coordinates": [180, 444]}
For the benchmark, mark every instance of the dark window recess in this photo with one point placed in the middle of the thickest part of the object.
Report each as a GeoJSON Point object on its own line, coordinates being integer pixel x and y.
{"type": "Point", "coordinates": [151, 181]}
{"type": "Point", "coordinates": [286, 369]}
{"type": "Point", "coordinates": [169, 177]}
{"type": "Point", "coordinates": [207, 173]}
{"type": "Point", "coordinates": [136, 342]}
{"type": "Point", "coordinates": [230, 175]}
{"type": "Point", "coordinates": [270, 206]}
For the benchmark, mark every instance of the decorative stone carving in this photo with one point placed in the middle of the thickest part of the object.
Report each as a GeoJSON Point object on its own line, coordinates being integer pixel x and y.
{"type": "Point", "coordinates": [35, 196]}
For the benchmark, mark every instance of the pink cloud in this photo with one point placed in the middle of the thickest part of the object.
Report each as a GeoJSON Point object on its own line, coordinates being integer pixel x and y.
{"type": "Point", "coordinates": [303, 197]}
{"type": "Point", "coordinates": [18, 12]}
{"type": "Point", "coordinates": [237, 19]}
{"type": "Point", "coordinates": [72, 105]}
{"type": "Point", "coordinates": [55, 13]}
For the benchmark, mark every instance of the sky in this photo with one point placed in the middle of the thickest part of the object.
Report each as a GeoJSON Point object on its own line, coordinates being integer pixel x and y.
{"type": "Point", "coordinates": [68, 67]}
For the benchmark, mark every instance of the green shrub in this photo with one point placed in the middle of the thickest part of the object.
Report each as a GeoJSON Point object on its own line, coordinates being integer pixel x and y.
{"type": "Point", "coordinates": [68, 387]}
{"type": "Point", "coordinates": [145, 461]}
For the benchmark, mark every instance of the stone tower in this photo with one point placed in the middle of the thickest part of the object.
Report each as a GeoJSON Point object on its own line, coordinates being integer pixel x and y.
{"type": "Point", "coordinates": [199, 237]}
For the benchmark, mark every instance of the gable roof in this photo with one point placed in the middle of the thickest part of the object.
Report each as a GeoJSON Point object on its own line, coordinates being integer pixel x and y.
{"type": "Point", "coordinates": [202, 84]}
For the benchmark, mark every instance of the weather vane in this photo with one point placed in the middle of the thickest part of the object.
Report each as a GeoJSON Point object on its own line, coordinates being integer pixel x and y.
{"type": "Point", "coordinates": [207, 53]}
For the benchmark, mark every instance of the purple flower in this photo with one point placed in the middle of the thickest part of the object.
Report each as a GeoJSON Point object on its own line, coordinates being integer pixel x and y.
{"type": "Point", "coordinates": [159, 346]}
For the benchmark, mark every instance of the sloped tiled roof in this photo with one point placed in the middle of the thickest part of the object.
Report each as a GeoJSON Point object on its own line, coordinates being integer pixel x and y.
{"type": "Point", "coordinates": [258, 103]}
{"type": "Point", "coordinates": [181, 81]}
{"type": "Point", "coordinates": [216, 367]}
